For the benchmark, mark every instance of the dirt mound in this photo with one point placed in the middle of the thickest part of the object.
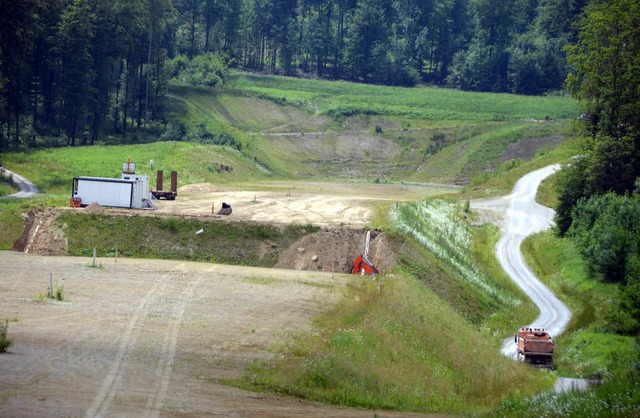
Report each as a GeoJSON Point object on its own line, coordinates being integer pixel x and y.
{"type": "Point", "coordinates": [335, 249]}
{"type": "Point", "coordinates": [198, 188]}
{"type": "Point", "coordinates": [94, 207]}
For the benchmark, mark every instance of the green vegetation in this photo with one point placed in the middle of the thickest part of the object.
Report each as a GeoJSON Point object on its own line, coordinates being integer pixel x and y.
{"type": "Point", "coordinates": [103, 68]}
{"type": "Point", "coordinates": [502, 180]}
{"type": "Point", "coordinates": [588, 349]}
{"type": "Point", "coordinates": [53, 170]}
{"type": "Point", "coordinates": [175, 238]}
{"type": "Point", "coordinates": [7, 185]}
{"type": "Point", "coordinates": [12, 222]}
{"type": "Point", "coordinates": [396, 345]}
{"type": "Point", "coordinates": [5, 342]}
{"type": "Point", "coordinates": [342, 99]}
{"type": "Point", "coordinates": [423, 338]}
{"type": "Point", "coordinates": [50, 294]}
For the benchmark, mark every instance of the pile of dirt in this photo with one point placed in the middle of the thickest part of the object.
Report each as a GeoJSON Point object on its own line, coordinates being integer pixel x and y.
{"type": "Point", "coordinates": [198, 188]}
{"type": "Point", "coordinates": [94, 207]}
{"type": "Point", "coordinates": [335, 249]}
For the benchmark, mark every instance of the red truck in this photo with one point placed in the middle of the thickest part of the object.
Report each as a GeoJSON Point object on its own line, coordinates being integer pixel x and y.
{"type": "Point", "coordinates": [535, 347]}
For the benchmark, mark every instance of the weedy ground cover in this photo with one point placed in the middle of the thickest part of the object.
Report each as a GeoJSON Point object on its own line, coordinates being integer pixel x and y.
{"type": "Point", "coordinates": [341, 99]}
{"type": "Point", "coordinates": [175, 238]}
{"type": "Point", "coordinates": [5, 342]}
{"type": "Point", "coordinates": [53, 170]}
{"type": "Point", "coordinates": [395, 345]}
{"type": "Point", "coordinates": [438, 226]}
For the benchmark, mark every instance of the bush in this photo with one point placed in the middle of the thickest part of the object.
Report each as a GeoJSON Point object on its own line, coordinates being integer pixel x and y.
{"type": "Point", "coordinates": [203, 70]}
{"type": "Point", "coordinates": [4, 341]}
{"type": "Point", "coordinates": [59, 293]}
{"type": "Point", "coordinates": [175, 132]}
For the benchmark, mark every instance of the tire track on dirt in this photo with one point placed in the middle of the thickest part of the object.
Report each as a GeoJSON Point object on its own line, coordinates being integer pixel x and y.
{"type": "Point", "coordinates": [113, 380]}
{"type": "Point", "coordinates": [165, 365]}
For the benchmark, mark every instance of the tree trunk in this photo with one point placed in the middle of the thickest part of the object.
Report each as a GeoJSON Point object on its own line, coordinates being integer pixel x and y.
{"type": "Point", "coordinates": [146, 94]}
{"type": "Point", "coordinates": [193, 34]}
{"type": "Point", "coordinates": [17, 139]}
{"type": "Point", "coordinates": [125, 104]}
{"type": "Point", "coordinates": [206, 34]}
{"type": "Point", "coordinates": [116, 110]}
{"type": "Point", "coordinates": [36, 84]}
{"type": "Point", "coordinates": [140, 94]}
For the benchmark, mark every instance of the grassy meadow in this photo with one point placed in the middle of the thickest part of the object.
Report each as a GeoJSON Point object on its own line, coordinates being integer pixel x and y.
{"type": "Point", "coordinates": [340, 99]}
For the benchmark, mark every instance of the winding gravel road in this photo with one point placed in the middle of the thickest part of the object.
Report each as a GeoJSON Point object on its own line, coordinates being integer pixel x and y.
{"type": "Point", "coordinates": [525, 217]}
{"type": "Point", "coordinates": [27, 188]}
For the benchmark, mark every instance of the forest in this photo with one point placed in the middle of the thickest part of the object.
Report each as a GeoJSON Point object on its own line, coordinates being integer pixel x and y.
{"type": "Point", "coordinates": [73, 70]}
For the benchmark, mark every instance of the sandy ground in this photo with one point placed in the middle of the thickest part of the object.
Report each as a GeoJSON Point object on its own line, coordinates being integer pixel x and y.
{"type": "Point", "coordinates": [151, 337]}
{"type": "Point", "coordinates": [321, 210]}
{"type": "Point", "coordinates": [322, 204]}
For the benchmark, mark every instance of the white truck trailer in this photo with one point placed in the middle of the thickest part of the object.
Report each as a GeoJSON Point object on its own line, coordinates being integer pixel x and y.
{"type": "Point", "coordinates": [130, 191]}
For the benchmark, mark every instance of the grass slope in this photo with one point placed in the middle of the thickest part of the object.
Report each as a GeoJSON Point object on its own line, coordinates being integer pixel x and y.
{"type": "Point", "coordinates": [321, 128]}
{"type": "Point", "coordinates": [395, 345]}
{"type": "Point", "coordinates": [339, 98]}
{"type": "Point", "coordinates": [234, 243]}
{"type": "Point", "coordinates": [52, 170]}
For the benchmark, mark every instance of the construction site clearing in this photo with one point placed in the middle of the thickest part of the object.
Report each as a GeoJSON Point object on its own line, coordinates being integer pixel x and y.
{"type": "Point", "coordinates": [150, 337]}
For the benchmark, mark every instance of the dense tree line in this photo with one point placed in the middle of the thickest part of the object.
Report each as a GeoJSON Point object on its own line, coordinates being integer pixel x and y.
{"type": "Point", "coordinates": [599, 191]}
{"type": "Point", "coordinates": [78, 69]}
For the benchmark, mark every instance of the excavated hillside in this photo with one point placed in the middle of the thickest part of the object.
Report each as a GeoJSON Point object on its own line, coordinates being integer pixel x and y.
{"type": "Point", "coordinates": [331, 248]}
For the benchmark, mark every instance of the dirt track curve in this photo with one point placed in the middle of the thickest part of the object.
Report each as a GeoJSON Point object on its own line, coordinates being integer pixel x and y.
{"type": "Point", "coordinates": [27, 188]}
{"type": "Point", "coordinates": [525, 217]}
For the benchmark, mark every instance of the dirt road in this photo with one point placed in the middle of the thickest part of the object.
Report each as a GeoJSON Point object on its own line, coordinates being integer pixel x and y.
{"type": "Point", "coordinates": [524, 217]}
{"type": "Point", "coordinates": [27, 188]}
{"type": "Point", "coordinates": [150, 337]}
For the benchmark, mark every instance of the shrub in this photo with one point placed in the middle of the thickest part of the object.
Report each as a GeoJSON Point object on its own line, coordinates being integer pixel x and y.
{"type": "Point", "coordinates": [204, 70]}
{"type": "Point", "coordinates": [59, 293]}
{"type": "Point", "coordinates": [4, 341]}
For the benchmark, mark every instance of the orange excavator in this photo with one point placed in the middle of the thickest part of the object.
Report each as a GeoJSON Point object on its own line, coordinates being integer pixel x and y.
{"type": "Point", "coordinates": [362, 265]}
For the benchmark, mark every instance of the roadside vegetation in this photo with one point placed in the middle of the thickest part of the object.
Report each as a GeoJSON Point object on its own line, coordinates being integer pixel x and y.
{"type": "Point", "coordinates": [360, 354]}
{"type": "Point", "coordinates": [590, 347]}
{"type": "Point", "coordinates": [395, 344]}
{"type": "Point", "coordinates": [425, 337]}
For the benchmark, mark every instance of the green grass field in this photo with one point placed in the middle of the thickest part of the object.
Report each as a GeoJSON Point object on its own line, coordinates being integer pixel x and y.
{"type": "Point", "coordinates": [427, 103]}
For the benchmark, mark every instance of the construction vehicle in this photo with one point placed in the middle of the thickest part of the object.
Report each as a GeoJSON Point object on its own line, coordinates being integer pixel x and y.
{"type": "Point", "coordinates": [535, 347]}
{"type": "Point", "coordinates": [362, 265]}
{"type": "Point", "coordinates": [171, 194]}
